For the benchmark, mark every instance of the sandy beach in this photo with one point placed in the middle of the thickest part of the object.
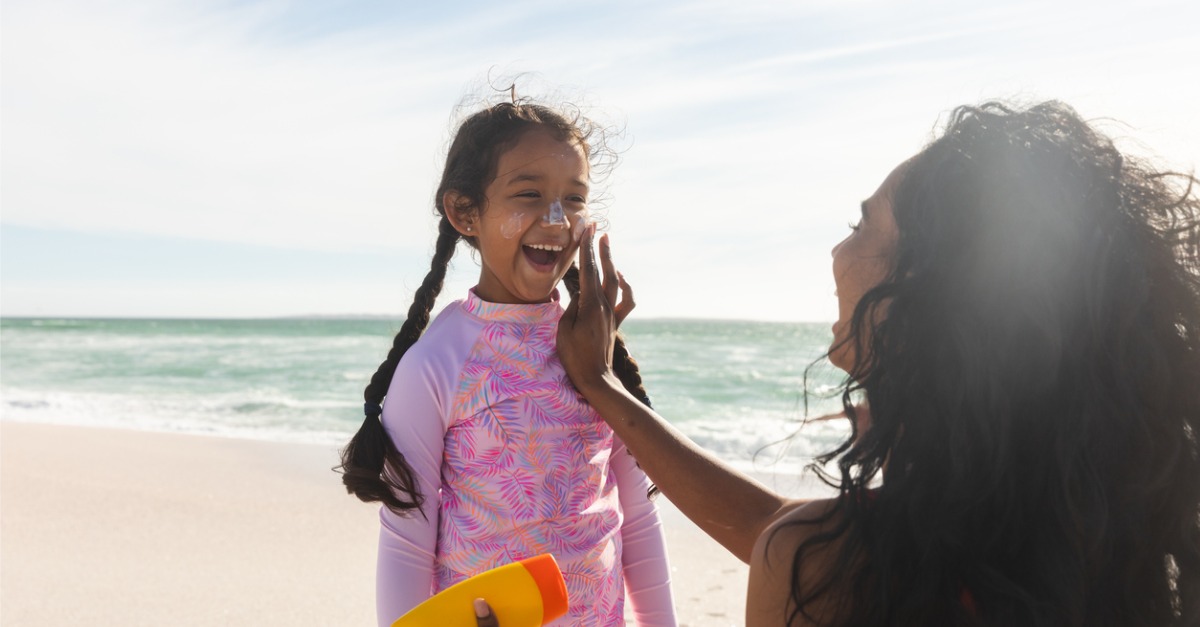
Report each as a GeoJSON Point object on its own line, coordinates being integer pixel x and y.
{"type": "Point", "coordinates": [115, 527]}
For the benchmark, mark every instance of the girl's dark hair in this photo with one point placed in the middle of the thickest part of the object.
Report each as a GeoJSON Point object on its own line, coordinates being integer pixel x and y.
{"type": "Point", "coordinates": [1034, 391]}
{"type": "Point", "coordinates": [372, 469]}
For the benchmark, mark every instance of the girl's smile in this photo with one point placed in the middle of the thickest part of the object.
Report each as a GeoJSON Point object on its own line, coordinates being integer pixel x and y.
{"type": "Point", "coordinates": [543, 257]}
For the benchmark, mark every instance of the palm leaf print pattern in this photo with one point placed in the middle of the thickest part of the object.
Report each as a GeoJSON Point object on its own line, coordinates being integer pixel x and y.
{"type": "Point", "coordinates": [525, 467]}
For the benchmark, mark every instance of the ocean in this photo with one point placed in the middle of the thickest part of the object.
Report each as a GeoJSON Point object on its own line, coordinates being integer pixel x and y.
{"type": "Point", "coordinates": [737, 388]}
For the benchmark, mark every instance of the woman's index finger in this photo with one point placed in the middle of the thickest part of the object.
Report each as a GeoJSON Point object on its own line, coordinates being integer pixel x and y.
{"type": "Point", "coordinates": [608, 270]}
{"type": "Point", "coordinates": [589, 274]}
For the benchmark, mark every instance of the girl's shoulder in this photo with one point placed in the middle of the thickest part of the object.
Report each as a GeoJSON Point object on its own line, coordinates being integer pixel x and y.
{"type": "Point", "coordinates": [432, 367]}
{"type": "Point", "coordinates": [445, 343]}
{"type": "Point", "coordinates": [454, 320]}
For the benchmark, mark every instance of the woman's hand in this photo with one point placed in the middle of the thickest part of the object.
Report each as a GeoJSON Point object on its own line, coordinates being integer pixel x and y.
{"type": "Point", "coordinates": [588, 327]}
{"type": "Point", "coordinates": [484, 616]}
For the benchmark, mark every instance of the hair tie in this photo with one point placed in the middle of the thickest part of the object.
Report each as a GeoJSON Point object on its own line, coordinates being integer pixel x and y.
{"type": "Point", "coordinates": [373, 410]}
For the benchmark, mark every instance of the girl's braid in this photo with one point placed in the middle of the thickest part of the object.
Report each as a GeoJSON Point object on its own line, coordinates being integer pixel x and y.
{"type": "Point", "coordinates": [372, 468]}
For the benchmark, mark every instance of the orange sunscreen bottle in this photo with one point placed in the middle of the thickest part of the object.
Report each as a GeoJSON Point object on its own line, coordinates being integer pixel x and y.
{"type": "Point", "coordinates": [528, 593]}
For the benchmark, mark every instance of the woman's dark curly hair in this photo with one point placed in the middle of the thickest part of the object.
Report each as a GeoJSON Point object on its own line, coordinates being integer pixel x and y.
{"type": "Point", "coordinates": [1034, 391]}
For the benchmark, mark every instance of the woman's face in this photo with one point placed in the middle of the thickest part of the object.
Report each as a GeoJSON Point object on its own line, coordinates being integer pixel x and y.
{"type": "Point", "coordinates": [861, 261]}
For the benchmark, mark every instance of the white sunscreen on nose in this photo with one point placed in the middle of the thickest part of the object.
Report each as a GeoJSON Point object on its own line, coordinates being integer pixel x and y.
{"type": "Point", "coordinates": [555, 216]}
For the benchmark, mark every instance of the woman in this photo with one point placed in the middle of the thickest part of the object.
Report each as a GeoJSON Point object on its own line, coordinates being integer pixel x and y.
{"type": "Point", "coordinates": [1020, 310]}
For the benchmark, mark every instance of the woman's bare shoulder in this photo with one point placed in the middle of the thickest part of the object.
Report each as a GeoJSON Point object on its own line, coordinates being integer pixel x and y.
{"type": "Point", "coordinates": [773, 568]}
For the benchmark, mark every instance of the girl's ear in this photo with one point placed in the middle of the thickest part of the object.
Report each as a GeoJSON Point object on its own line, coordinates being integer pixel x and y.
{"type": "Point", "coordinates": [464, 218]}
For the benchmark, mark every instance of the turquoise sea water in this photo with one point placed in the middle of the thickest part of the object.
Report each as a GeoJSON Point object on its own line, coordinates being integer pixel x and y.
{"type": "Point", "coordinates": [734, 387]}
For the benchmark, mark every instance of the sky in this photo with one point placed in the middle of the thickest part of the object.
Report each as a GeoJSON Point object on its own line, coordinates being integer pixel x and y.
{"type": "Point", "coordinates": [275, 158]}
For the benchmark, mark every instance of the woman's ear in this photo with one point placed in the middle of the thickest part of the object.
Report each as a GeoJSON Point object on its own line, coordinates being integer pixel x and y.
{"type": "Point", "coordinates": [463, 217]}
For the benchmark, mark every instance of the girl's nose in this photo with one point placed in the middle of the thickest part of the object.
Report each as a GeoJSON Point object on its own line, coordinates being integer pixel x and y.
{"type": "Point", "coordinates": [555, 215]}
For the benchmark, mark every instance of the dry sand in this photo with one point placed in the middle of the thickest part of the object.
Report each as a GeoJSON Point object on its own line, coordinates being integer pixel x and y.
{"type": "Point", "coordinates": [110, 527]}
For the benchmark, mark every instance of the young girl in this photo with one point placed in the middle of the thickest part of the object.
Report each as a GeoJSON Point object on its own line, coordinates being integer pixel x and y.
{"type": "Point", "coordinates": [483, 452]}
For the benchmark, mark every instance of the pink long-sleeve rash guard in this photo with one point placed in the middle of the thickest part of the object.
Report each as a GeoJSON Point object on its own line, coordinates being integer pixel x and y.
{"type": "Point", "coordinates": [512, 463]}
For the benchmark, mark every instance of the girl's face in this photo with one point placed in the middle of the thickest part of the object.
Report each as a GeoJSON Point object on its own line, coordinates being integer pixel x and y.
{"type": "Point", "coordinates": [862, 261]}
{"type": "Point", "coordinates": [525, 230]}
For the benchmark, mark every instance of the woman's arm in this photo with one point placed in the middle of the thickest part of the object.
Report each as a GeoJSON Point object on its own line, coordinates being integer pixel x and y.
{"type": "Point", "coordinates": [729, 506]}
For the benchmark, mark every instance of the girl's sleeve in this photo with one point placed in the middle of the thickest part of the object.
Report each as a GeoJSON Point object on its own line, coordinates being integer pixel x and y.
{"type": "Point", "coordinates": [413, 418]}
{"type": "Point", "coordinates": [644, 553]}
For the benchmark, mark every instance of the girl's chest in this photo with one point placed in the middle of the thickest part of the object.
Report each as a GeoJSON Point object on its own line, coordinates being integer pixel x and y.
{"type": "Point", "coordinates": [514, 398]}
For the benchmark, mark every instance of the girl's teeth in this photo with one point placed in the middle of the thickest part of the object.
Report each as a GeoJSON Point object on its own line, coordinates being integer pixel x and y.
{"type": "Point", "coordinates": [546, 247]}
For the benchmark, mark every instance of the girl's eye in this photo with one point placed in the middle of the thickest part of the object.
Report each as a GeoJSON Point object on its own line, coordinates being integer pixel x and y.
{"type": "Point", "coordinates": [579, 199]}
{"type": "Point", "coordinates": [854, 226]}
{"type": "Point", "coordinates": [529, 195]}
